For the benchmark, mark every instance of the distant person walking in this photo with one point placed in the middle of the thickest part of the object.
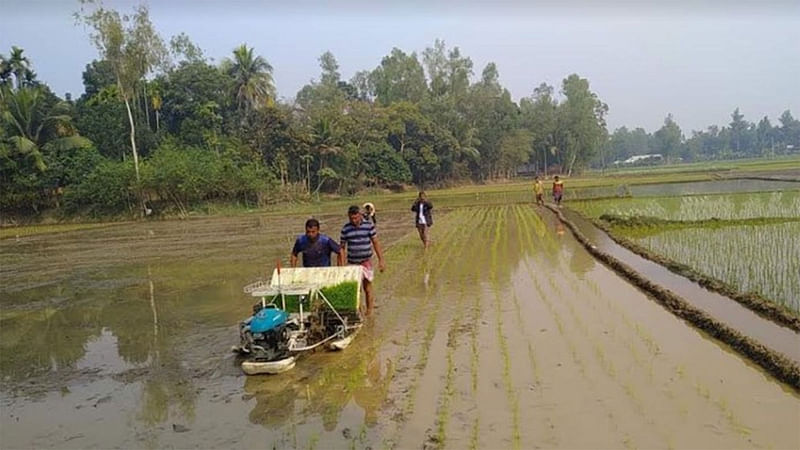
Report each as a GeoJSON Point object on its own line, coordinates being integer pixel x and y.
{"type": "Point", "coordinates": [558, 190]}
{"type": "Point", "coordinates": [357, 240]}
{"type": "Point", "coordinates": [423, 218]}
{"type": "Point", "coordinates": [369, 213]}
{"type": "Point", "coordinates": [538, 189]}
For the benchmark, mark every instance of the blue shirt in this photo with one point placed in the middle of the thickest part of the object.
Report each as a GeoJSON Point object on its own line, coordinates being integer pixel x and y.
{"type": "Point", "coordinates": [358, 241]}
{"type": "Point", "coordinates": [317, 253]}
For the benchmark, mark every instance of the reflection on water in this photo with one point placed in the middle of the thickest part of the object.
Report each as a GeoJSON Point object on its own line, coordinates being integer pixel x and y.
{"type": "Point", "coordinates": [322, 386]}
{"type": "Point", "coordinates": [143, 292]}
{"type": "Point", "coordinates": [153, 306]}
{"type": "Point", "coordinates": [684, 188]}
{"type": "Point", "coordinates": [711, 187]}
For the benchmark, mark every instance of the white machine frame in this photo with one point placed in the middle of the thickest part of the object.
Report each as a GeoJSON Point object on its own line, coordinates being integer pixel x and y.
{"type": "Point", "coordinates": [308, 282]}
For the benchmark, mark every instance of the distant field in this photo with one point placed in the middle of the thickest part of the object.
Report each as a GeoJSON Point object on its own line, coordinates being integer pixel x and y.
{"type": "Point", "coordinates": [739, 165]}
{"type": "Point", "coordinates": [12, 232]}
{"type": "Point", "coordinates": [760, 256]}
{"type": "Point", "coordinates": [698, 207]}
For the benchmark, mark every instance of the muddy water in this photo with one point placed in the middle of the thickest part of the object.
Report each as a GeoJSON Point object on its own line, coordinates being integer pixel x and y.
{"type": "Point", "coordinates": [505, 334]}
{"type": "Point", "coordinates": [712, 187]}
{"type": "Point", "coordinates": [774, 336]}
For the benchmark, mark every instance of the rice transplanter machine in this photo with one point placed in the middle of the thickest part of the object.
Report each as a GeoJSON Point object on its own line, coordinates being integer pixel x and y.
{"type": "Point", "coordinates": [299, 310]}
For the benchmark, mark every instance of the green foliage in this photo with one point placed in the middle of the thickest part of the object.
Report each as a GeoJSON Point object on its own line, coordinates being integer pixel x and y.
{"type": "Point", "coordinates": [668, 139]}
{"type": "Point", "coordinates": [108, 189]}
{"type": "Point", "coordinates": [342, 296]}
{"type": "Point", "coordinates": [98, 76]}
{"type": "Point", "coordinates": [194, 97]}
{"type": "Point", "coordinates": [252, 84]}
{"type": "Point", "coordinates": [39, 150]}
{"type": "Point", "coordinates": [69, 160]}
{"type": "Point", "coordinates": [102, 119]}
{"type": "Point", "coordinates": [399, 77]}
{"type": "Point", "coordinates": [182, 176]}
{"type": "Point", "coordinates": [384, 165]}
{"type": "Point", "coordinates": [582, 117]}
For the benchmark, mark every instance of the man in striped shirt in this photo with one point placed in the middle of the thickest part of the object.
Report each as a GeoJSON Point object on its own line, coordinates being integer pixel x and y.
{"type": "Point", "coordinates": [357, 240]}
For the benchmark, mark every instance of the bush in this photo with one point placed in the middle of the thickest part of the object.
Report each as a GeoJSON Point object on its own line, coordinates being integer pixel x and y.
{"type": "Point", "coordinates": [109, 188]}
{"type": "Point", "coordinates": [384, 165]}
{"type": "Point", "coordinates": [180, 176]}
{"type": "Point", "coordinates": [186, 176]}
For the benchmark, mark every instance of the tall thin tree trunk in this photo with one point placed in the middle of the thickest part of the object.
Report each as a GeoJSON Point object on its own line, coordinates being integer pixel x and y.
{"type": "Point", "coordinates": [135, 156]}
{"type": "Point", "coordinates": [308, 176]}
{"type": "Point", "coordinates": [545, 161]}
{"type": "Point", "coordinates": [146, 108]}
{"type": "Point", "coordinates": [603, 160]}
{"type": "Point", "coordinates": [157, 125]}
{"type": "Point", "coordinates": [571, 163]}
{"type": "Point", "coordinates": [133, 139]}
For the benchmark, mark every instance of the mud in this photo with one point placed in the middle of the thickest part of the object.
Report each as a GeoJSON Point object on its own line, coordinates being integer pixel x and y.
{"type": "Point", "coordinates": [505, 334]}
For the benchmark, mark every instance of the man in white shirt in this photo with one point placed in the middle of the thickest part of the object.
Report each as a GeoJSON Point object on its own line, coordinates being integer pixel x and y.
{"type": "Point", "coordinates": [423, 217]}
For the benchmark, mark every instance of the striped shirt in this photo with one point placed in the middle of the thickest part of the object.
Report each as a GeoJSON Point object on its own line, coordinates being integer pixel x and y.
{"type": "Point", "coordinates": [357, 240]}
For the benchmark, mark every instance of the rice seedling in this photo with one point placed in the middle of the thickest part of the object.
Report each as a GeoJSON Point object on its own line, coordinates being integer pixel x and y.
{"type": "Point", "coordinates": [312, 443]}
{"type": "Point", "coordinates": [443, 414]}
{"type": "Point", "coordinates": [698, 207]}
{"type": "Point", "coordinates": [752, 258]}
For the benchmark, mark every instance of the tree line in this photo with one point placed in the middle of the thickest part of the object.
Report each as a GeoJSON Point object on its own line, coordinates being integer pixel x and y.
{"type": "Point", "coordinates": [739, 139]}
{"type": "Point", "coordinates": [160, 126]}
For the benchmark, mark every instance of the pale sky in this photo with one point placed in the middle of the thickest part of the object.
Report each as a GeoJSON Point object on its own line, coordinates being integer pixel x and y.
{"type": "Point", "coordinates": [643, 58]}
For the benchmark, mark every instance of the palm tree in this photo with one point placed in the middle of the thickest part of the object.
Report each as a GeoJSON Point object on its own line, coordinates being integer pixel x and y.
{"type": "Point", "coordinates": [20, 66]}
{"type": "Point", "coordinates": [32, 126]}
{"type": "Point", "coordinates": [324, 140]}
{"type": "Point", "coordinates": [5, 71]}
{"type": "Point", "coordinates": [252, 75]}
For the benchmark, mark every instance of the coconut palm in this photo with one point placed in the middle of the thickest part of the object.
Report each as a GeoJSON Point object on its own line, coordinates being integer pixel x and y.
{"type": "Point", "coordinates": [5, 71]}
{"type": "Point", "coordinates": [19, 66]}
{"type": "Point", "coordinates": [31, 125]}
{"type": "Point", "coordinates": [252, 75]}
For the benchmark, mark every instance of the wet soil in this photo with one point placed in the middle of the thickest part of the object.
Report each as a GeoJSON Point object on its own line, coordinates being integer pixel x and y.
{"type": "Point", "coordinates": [505, 334]}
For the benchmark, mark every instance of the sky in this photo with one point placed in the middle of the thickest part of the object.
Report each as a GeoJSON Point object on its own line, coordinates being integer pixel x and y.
{"type": "Point", "coordinates": [697, 60]}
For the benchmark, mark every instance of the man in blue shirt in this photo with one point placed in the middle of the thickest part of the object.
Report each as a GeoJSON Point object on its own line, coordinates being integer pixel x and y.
{"type": "Point", "coordinates": [315, 247]}
{"type": "Point", "coordinates": [358, 238]}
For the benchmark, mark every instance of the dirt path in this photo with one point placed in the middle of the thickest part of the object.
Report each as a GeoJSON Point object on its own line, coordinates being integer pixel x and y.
{"type": "Point", "coordinates": [506, 334]}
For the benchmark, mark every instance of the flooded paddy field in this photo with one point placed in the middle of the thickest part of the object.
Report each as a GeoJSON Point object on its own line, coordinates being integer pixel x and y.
{"type": "Point", "coordinates": [505, 334]}
{"type": "Point", "coordinates": [753, 258]}
{"type": "Point", "coordinates": [748, 241]}
{"type": "Point", "coordinates": [699, 207]}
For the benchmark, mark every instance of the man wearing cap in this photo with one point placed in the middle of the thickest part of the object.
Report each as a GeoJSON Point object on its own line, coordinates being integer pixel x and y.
{"type": "Point", "coordinates": [369, 213]}
{"type": "Point", "coordinates": [357, 240]}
